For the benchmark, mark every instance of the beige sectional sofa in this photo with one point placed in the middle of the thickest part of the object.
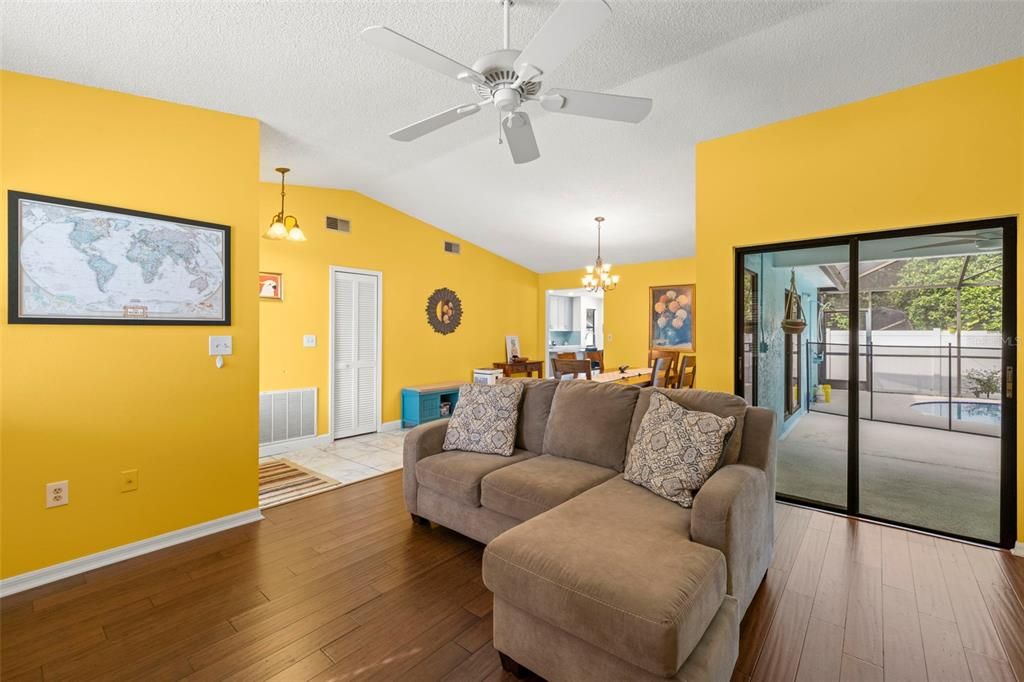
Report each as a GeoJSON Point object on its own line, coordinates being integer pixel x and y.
{"type": "Point", "coordinates": [595, 578]}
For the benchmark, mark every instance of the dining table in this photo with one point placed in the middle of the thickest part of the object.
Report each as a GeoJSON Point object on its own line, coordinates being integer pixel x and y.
{"type": "Point", "coordinates": [632, 376]}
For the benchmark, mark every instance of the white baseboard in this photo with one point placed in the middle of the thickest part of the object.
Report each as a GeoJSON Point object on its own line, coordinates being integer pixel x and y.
{"type": "Point", "coordinates": [26, 581]}
{"type": "Point", "coordinates": [391, 426]}
{"type": "Point", "coordinates": [271, 449]}
{"type": "Point", "coordinates": [1018, 549]}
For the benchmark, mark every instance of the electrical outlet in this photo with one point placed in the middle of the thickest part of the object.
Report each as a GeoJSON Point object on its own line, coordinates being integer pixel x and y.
{"type": "Point", "coordinates": [309, 341]}
{"type": "Point", "coordinates": [129, 480]}
{"type": "Point", "coordinates": [56, 494]}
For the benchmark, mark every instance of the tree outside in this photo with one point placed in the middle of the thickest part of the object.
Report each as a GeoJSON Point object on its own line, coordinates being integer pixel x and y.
{"type": "Point", "coordinates": [924, 291]}
{"type": "Point", "coordinates": [981, 307]}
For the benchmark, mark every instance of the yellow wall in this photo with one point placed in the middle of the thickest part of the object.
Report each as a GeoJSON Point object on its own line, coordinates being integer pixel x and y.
{"type": "Point", "coordinates": [626, 331]}
{"type": "Point", "coordinates": [84, 402]}
{"type": "Point", "coordinates": [498, 297]}
{"type": "Point", "coordinates": [940, 152]}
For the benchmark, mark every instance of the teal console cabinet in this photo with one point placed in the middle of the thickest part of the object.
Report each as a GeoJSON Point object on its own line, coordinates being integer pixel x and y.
{"type": "Point", "coordinates": [421, 404]}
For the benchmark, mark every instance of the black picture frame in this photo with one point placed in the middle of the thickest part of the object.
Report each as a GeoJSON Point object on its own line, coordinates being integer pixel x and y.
{"type": "Point", "coordinates": [14, 315]}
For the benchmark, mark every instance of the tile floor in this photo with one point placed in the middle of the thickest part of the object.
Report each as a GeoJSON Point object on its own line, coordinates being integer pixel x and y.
{"type": "Point", "coordinates": [348, 460]}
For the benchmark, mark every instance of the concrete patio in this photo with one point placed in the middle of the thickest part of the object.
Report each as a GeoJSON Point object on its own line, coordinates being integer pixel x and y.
{"type": "Point", "coordinates": [943, 480]}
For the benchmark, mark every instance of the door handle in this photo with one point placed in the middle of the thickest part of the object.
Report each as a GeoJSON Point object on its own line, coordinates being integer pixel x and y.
{"type": "Point", "coordinates": [1009, 382]}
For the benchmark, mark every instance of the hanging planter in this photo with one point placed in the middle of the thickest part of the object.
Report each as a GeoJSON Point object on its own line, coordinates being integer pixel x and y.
{"type": "Point", "coordinates": [793, 322]}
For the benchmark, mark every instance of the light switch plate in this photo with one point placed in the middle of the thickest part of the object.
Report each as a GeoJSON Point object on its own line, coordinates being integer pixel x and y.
{"type": "Point", "coordinates": [220, 345]}
{"type": "Point", "coordinates": [309, 341]}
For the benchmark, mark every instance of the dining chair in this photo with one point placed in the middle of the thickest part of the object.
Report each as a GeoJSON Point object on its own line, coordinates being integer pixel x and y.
{"type": "Point", "coordinates": [688, 366]}
{"type": "Point", "coordinates": [573, 368]}
{"type": "Point", "coordinates": [596, 358]}
{"type": "Point", "coordinates": [672, 364]}
{"type": "Point", "coordinates": [659, 373]}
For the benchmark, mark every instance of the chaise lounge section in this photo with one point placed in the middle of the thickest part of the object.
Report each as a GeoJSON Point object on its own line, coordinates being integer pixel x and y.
{"type": "Point", "coordinates": [595, 577]}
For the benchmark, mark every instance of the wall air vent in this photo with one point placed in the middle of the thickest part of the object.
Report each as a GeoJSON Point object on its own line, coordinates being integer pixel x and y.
{"type": "Point", "coordinates": [452, 247]}
{"type": "Point", "coordinates": [287, 415]}
{"type": "Point", "coordinates": [338, 224]}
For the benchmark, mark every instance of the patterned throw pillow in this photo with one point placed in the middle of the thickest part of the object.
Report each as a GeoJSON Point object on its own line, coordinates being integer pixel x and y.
{"type": "Point", "coordinates": [485, 419]}
{"type": "Point", "coordinates": [676, 450]}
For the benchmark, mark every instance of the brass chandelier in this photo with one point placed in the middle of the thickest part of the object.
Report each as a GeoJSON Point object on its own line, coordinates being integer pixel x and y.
{"type": "Point", "coordinates": [599, 276]}
{"type": "Point", "coordinates": [284, 226]}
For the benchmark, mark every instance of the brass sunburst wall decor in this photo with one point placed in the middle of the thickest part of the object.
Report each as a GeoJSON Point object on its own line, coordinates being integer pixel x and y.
{"type": "Point", "coordinates": [444, 311]}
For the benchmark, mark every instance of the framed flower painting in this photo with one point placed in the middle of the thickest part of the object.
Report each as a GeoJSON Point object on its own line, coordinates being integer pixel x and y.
{"type": "Point", "coordinates": [672, 317]}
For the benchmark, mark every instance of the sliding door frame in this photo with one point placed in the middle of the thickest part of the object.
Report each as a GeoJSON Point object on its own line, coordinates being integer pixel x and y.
{"type": "Point", "coordinates": [1008, 444]}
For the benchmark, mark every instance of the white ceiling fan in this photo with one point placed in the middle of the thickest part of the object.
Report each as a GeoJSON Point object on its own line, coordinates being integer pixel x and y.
{"type": "Point", "coordinates": [508, 78]}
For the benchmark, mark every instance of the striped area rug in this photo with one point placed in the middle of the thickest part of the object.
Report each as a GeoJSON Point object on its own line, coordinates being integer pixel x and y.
{"type": "Point", "coordinates": [282, 481]}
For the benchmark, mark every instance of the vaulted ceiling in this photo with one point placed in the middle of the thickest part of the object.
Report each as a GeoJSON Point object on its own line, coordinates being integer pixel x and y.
{"type": "Point", "coordinates": [327, 99]}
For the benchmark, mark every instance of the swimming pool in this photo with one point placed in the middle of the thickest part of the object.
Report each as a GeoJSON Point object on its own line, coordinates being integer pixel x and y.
{"type": "Point", "coordinates": [984, 413]}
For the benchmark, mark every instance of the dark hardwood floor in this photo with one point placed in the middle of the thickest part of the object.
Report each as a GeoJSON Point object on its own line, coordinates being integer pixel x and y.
{"type": "Point", "coordinates": [342, 586]}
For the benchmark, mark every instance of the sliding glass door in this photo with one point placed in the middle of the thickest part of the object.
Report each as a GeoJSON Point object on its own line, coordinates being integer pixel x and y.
{"type": "Point", "coordinates": [931, 437]}
{"type": "Point", "coordinates": [888, 358]}
{"type": "Point", "coordinates": [784, 331]}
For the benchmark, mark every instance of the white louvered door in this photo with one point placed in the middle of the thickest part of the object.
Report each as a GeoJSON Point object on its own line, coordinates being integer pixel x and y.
{"type": "Point", "coordinates": [355, 354]}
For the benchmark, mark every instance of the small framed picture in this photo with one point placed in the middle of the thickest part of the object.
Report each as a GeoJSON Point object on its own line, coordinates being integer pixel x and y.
{"type": "Point", "coordinates": [272, 286]}
{"type": "Point", "coordinates": [512, 351]}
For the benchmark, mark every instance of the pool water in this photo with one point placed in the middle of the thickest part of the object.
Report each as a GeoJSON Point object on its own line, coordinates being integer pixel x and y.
{"type": "Point", "coordinates": [984, 413]}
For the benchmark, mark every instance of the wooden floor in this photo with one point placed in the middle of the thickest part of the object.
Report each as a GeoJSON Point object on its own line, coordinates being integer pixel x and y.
{"type": "Point", "coordinates": [850, 600]}
{"type": "Point", "coordinates": [342, 586]}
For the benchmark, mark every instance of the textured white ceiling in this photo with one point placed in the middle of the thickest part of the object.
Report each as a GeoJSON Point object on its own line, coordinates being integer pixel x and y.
{"type": "Point", "coordinates": [327, 99]}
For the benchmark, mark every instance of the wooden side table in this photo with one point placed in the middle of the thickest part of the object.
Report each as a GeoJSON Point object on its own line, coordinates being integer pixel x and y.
{"type": "Point", "coordinates": [527, 367]}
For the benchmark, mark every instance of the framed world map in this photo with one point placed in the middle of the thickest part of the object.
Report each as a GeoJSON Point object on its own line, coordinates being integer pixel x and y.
{"type": "Point", "coordinates": [71, 262]}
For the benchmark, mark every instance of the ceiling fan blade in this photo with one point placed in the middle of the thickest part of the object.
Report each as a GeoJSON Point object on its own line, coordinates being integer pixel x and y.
{"type": "Point", "coordinates": [567, 27]}
{"type": "Point", "coordinates": [953, 242]}
{"type": "Point", "coordinates": [381, 36]}
{"type": "Point", "coordinates": [597, 105]}
{"type": "Point", "coordinates": [519, 137]}
{"type": "Point", "coordinates": [429, 125]}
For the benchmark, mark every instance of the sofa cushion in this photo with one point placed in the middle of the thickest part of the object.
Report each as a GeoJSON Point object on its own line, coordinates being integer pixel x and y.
{"type": "Point", "coordinates": [722, 404]}
{"type": "Point", "coordinates": [676, 450]}
{"type": "Point", "coordinates": [534, 409]}
{"type": "Point", "coordinates": [590, 421]}
{"type": "Point", "coordinates": [532, 487]}
{"type": "Point", "coordinates": [457, 474]}
{"type": "Point", "coordinates": [485, 419]}
{"type": "Point", "coordinates": [615, 567]}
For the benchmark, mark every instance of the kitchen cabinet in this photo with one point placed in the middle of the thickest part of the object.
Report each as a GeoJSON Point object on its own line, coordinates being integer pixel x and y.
{"type": "Point", "coordinates": [562, 314]}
